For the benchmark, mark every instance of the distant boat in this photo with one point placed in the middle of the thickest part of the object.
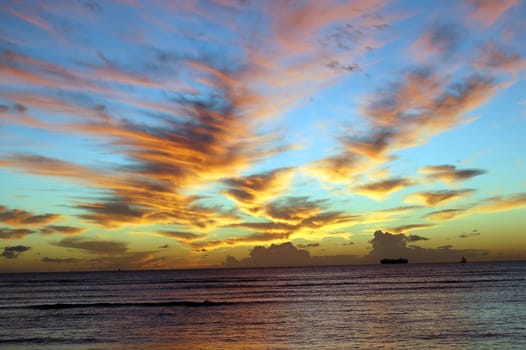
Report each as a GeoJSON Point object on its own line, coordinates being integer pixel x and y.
{"type": "Point", "coordinates": [394, 261]}
{"type": "Point", "coordinates": [463, 261]}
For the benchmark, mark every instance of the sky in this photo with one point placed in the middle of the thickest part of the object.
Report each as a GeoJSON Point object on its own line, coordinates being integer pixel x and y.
{"type": "Point", "coordinates": [186, 134]}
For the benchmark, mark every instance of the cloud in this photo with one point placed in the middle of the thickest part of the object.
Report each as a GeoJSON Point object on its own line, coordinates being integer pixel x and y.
{"type": "Point", "coordinates": [131, 261]}
{"type": "Point", "coordinates": [293, 210]}
{"type": "Point", "coordinates": [14, 233]}
{"type": "Point", "coordinates": [387, 245]}
{"type": "Point", "coordinates": [113, 212]}
{"type": "Point", "coordinates": [14, 251]}
{"type": "Point", "coordinates": [252, 192]}
{"type": "Point", "coordinates": [415, 238]}
{"type": "Point", "coordinates": [63, 230]}
{"type": "Point", "coordinates": [61, 261]}
{"type": "Point", "coordinates": [309, 245]}
{"type": "Point", "coordinates": [46, 166]}
{"type": "Point", "coordinates": [373, 146]}
{"type": "Point", "coordinates": [411, 227]}
{"type": "Point", "coordinates": [489, 11]}
{"type": "Point", "coordinates": [436, 198]}
{"type": "Point", "coordinates": [285, 254]}
{"type": "Point", "coordinates": [389, 214]}
{"type": "Point", "coordinates": [181, 235]}
{"type": "Point", "coordinates": [444, 215]}
{"type": "Point", "coordinates": [501, 203]}
{"type": "Point", "coordinates": [474, 232]}
{"type": "Point", "coordinates": [440, 40]}
{"type": "Point", "coordinates": [449, 173]}
{"type": "Point", "coordinates": [421, 103]}
{"type": "Point", "coordinates": [100, 247]}
{"type": "Point", "coordinates": [338, 168]}
{"type": "Point", "coordinates": [382, 188]}
{"type": "Point", "coordinates": [16, 217]}
{"type": "Point", "coordinates": [302, 214]}
{"type": "Point", "coordinates": [498, 57]}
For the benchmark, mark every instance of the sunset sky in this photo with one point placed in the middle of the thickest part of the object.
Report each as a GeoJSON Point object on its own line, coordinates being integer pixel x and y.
{"type": "Point", "coordinates": [180, 134]}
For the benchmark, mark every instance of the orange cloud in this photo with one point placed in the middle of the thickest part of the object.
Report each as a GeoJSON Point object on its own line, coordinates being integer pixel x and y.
{"type": "Point", "coordinates": [500, 203]}
{"type": "Point", "coordinates": [14, 233]}
{"type": "Point", "coordinates": [388, 214]}
{"type": "Point", "coordinates": [440, 40]}
{"type": "Point", "coordinates": [181, 235]}
{"type": "Point", "coordinates": [444, 215]}
{"type": "Point", "coordinates": [488, 11]}
{"type": "Point", "coordinates": [16, 217]}
{"type": "Point", "coordinates": [63, 230]}
{"type": "Point", "coordinates": [382, 188]}
{"type": "Point", "coordinates": [252, 192]}
{"type": "Point", "coordinates": [438, 197]}
{"type": "Point", "coordinates": [408, 228]}
{"type": "Point", "coordinates": [449, 173]}
{"type": "Point", "coordinates": [498, 57]}
{"type": "Point", "coordinates": [45, 166]}
{"type": "Point", "coordinates": [100, 247]}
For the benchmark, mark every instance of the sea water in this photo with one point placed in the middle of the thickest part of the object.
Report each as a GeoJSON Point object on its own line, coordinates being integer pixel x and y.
{"type": "Point", "coordinates": [407, 306]}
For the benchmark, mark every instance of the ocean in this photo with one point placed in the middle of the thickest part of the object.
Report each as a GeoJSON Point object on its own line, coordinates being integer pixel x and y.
{"type": "Point", "coordinates": [406, 306]}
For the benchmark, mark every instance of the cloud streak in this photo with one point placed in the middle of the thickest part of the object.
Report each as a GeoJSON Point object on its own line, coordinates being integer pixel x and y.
{"type": "Point", "coordinates": [449, 173]}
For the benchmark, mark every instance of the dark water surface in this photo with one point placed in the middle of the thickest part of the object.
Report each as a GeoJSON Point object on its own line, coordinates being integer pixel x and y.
{"type": "Point", "coordinates": [413, 306]}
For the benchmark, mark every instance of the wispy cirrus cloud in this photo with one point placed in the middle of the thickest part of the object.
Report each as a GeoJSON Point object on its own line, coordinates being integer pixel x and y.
{"type": "Point", "coordinates": [488, 11]}
{"type": "Point", "coordinates": [499, 57]}
{"type": "Point", "coordinates": [440, 41]}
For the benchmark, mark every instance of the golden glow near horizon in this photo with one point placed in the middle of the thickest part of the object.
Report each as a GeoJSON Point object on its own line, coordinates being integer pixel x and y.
{"type": "Point", "coordinates": [178, 134]}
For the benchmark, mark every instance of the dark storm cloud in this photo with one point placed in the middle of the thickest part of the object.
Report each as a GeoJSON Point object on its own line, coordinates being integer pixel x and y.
{"type": "Point", "coordinates": [14, 251]}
